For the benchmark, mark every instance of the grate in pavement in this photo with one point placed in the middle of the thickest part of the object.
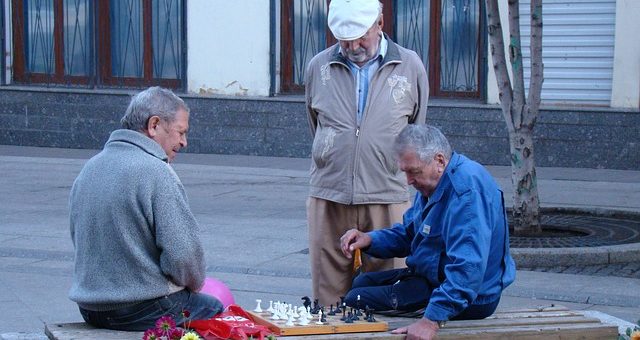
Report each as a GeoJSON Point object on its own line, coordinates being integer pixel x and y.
{"type": "Point", "coordinates": [562, 230]}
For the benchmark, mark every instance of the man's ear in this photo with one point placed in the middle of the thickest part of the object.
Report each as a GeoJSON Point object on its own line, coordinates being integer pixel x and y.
{"type": "Point", "coordinates": [440, 160]}
{"type": "Point", "coordinates": [152, 126]}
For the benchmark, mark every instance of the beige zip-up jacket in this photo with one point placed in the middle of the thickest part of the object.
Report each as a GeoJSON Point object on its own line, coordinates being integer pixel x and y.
{"type": "Point", "coordinates": [356, 164]}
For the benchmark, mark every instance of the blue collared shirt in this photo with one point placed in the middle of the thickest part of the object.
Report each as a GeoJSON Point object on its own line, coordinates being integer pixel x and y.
{"type": "Point", "coordinates": [363, 74]}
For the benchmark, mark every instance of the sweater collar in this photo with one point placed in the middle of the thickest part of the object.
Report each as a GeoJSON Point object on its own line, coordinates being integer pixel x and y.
{"type": "Point", "coordinates": [136, 138]}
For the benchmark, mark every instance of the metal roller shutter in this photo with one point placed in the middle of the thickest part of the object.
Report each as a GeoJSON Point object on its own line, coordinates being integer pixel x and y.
{"type": "Point", "coordinates": [578, 42]}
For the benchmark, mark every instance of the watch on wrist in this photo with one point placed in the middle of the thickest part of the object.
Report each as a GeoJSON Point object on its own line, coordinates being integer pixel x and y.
{"type": "Point", "coordinates": [441, 323]}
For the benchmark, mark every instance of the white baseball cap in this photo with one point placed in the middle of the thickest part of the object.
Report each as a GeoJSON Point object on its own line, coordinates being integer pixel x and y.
{"type": "Point", "coordinates": [351, 19]}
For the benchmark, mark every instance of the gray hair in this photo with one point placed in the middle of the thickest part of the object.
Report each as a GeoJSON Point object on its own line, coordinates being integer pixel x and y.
{"type": "Point", "coordinates": [154, 101]}
{"type": "Point", "coordinates": [425, 140]}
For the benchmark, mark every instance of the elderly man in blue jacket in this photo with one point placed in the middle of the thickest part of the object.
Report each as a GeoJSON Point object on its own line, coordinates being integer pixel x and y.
{"type": "Point", "coordinates": [455, 239]}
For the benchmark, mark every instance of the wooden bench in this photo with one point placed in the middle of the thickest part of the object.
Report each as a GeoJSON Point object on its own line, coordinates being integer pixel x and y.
{"type": "Point", "coordinates": [555, 322]}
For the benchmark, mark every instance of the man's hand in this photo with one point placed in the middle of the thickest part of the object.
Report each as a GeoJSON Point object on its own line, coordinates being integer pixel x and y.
{"type": "Point", "coordinates": [424, 329]}
{"type": "Point", "coordinates": [353, 239]}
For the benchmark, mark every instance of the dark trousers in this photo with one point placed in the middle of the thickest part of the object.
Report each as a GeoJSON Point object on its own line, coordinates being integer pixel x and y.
{"type": "Point", "coordinates": [402, 290]}
{"type": "Point", "coordinates": [144, 315]}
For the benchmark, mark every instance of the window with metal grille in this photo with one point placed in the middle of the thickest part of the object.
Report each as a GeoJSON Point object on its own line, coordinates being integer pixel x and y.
{"type": "Point", "coordinates": [447, 34]}
{"type": "Point", "coordinates": [126, 43]}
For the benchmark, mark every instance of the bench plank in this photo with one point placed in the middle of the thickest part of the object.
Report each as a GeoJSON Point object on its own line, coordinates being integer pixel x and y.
{"type": "Point", "coordinates": [556, 322]}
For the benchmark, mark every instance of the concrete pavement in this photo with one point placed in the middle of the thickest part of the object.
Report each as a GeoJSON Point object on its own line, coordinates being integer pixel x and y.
{"type": "Point", "coordinates": [252, 215]}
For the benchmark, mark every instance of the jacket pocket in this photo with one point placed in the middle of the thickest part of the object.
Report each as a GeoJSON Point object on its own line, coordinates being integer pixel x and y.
{"type": "Point", "coordinates": [323, 146]}
{"type": "Point", "coordinates": [388, 162]}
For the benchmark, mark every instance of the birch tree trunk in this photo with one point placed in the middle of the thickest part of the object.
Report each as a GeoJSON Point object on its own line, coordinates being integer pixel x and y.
{"type": "Point", "coordinates": [520, 115]}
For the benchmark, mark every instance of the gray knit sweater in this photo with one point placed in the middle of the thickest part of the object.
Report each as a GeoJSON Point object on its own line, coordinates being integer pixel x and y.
{"type": "Point", "coordinates": [134, 235]}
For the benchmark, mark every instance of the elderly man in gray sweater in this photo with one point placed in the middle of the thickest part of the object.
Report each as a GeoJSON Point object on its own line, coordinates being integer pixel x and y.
{"type": "Point", "coordinates": [137, 252]}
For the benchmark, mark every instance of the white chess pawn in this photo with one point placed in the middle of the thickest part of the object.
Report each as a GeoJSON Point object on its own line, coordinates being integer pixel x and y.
{"type": "Point", "coordinates": [276, 311]}
{"type": "Point", "coordinates": [319, 322]}
{"type": "Point", "coordinates": [258, 308]}
{"type": "Point", "coordinates": [295, 312]}
{"type": "Point", "coordinates": [308, 313]}
{"type": "Point", "coordinates": [290, 320]}
{"type": "Point", "coordinates": [303, 321]}
{"type": "Point", "coordinates": [270, 309]}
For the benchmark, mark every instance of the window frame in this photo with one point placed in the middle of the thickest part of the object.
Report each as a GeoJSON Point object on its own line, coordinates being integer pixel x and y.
{"type": "Point", "coordinates": [287, 85]}
{"type": "Point", "coordinates": [100, 72]}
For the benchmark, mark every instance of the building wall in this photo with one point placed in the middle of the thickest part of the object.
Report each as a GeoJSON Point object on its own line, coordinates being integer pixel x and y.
{"type": "Point", "coordinates": [626, 65]}
{"type": "Point", "coordinates": [564, 137]}
{"type": "Point", "coordinates": [228, 44]}
{"type": "Point", "coordinates": [626, 71]}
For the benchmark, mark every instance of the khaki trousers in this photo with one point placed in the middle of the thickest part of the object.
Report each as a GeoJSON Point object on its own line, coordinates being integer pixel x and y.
{"type": "Point", "coordinates": [331, 271]}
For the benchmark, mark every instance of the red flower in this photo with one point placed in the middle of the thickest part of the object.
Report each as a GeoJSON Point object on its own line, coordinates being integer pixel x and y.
{"type": "Point", "coordinates": [186, 313]}
{"type": "Point", "coordinates": [165, 323]}
{"type": "Point", "coordinates": [151, 334]}
{"type": "Point", "coordinates": [176, 334]}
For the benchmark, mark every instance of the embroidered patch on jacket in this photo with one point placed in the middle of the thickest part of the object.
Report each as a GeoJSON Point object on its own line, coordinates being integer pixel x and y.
{"type": "Point", "coordinates": [399, 87]}
{"type": "Point", "coordinates": [426, 229]}
{"type": "Point", "coordinates": [325, 73]}
{"type": "Point", "coordinates": [328, 141]}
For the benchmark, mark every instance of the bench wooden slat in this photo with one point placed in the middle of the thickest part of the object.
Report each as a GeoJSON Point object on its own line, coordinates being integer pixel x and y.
{"type": "Point", "coordinates": [556, 322]}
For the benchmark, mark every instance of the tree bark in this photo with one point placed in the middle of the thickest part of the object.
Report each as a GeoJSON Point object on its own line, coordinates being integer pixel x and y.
{"type": "Point", "coordinates": [520, 114]}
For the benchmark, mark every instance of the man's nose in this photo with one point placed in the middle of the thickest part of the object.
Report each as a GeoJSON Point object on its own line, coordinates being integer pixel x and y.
{"type": "Point", "coordinates": [354, 44]}
{"type": "Point", "coordinates": [183, 141]}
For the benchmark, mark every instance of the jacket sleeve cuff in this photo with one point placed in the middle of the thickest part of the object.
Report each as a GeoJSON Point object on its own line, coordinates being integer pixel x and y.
{"type": "Point", "coordinates": [434, 312]}
{"type": "Point", "coordinates": [372, 248]}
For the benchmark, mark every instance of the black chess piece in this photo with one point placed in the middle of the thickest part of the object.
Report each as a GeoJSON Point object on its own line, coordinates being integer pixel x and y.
{"type": "Point", "coordinates": [349, 318]}
{"type": "Point", "coordinates": [331, 310]}
{"type": "Point", "coordinates": [307, 302]}
{"type": "Point", "coordinates": [323, 318]}
{"type": "Point", "coordinates": [354, 315]}
{"type": "Point", "coordinates": [344, 314]}
{"type": "Point", "coordinates": [338, 310]}
{"type": "Point", "coordinates": [369, 314]}
{"type": "Point", "coordinates": [316, 307]}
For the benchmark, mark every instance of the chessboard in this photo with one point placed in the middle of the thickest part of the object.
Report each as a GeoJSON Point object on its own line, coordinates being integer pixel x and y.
{"type": "Point", "coordinates": [333, 325]}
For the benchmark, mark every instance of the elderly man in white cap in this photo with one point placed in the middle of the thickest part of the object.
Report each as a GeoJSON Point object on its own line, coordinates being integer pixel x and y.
{"type": "Point", "coordinates": [360, 93]}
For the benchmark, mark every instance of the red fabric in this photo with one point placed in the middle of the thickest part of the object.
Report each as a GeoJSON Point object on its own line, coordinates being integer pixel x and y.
{"type": "Point", "coordinates": [234, 323]}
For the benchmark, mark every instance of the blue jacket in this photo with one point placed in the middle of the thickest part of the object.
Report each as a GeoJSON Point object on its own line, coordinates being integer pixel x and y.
{"type": "Point", "coordinates": [458, 239]}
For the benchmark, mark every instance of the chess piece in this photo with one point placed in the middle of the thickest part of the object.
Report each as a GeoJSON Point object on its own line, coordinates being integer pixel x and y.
{"type": "Point", "coordinates": [303, 320]}
{"type": "Point", "coordinates": [354, 315]}
{"type": "Point", "coordinates": [258, 308]}
{"type": "Point", "coordinates": [320, 314]}
{"type": "Point", "coordinates": [316, 307]}
{"type": "Point", "coordinates": [307, 301]}
{"type": "Point", "coordinates": [331, 310]}
{"type": "Point", "coordinates": [290, 320]}
{"type": "Point", "coordinates": [358, 312]}
{"type": "Point", "coordinates": [308, 314]}
{"type": "Point", "coordinates": [344, 314]}
{"type": "Point", "coordinates": [270, 309]}
{"type": "Point", "coordinates": [338, 310]}
{"type": "Point", "coordinates": [295, 312]}
{"type": "Point", "coordinates": [349, 318]}
{"type": "Point", "coordinates": [323, 317]}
